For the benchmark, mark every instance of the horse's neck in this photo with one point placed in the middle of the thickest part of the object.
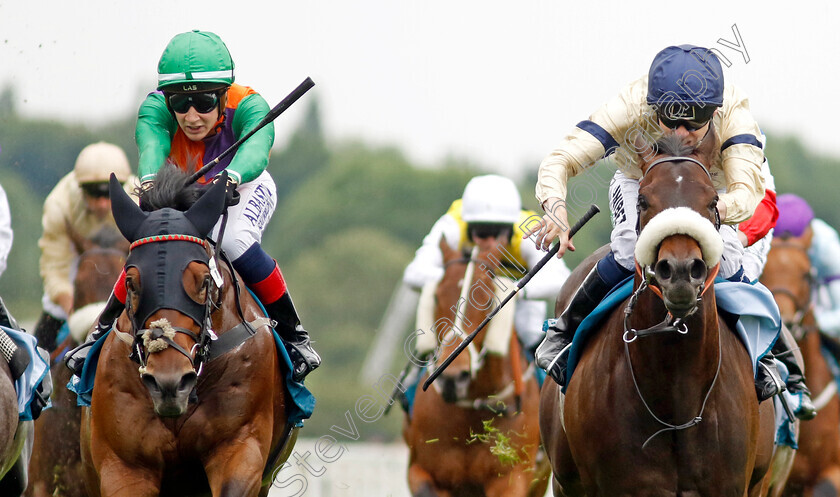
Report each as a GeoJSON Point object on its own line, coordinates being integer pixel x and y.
{"type": "Point", "coordinates": [673, 349]}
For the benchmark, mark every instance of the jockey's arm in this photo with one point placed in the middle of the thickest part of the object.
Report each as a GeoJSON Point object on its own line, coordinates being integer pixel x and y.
{"type": "Point", "coordinates": [154, 132]}
{"type": "Point", "coordinates": [251, 159]}
{"type": "Point", "coordinates": [741, 158]}
{"type": "Point", "coordinates": [6, 234]}
{"type": "Point", "coordinates": [588, 142]}
{"type": "Point", "coordinates": [56, 257]}
{"type": "Point", "coordinates": [427, 264]}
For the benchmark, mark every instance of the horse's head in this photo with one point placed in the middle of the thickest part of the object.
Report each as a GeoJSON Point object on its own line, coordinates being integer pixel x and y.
{"type": "Point", "coordinates": [678, 242]}
{"type": "Point", "coordinates": [101, 259]}
{"type": "Point", "coordinates": [788, 274]}
{"type": "Point", "coordinates": [170, 288]}
{"type": "Point", "coordinates": [465, 296]}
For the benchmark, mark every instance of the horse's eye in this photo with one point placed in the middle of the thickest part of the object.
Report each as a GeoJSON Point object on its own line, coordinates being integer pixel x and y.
{"type": "Point", "coordinates": [643, 203]}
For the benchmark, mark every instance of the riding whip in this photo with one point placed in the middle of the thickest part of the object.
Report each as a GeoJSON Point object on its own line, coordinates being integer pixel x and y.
{"type": "Point", "coordinates": [272, 115]}
{"type": "Point", "coordinates": [593, 209]}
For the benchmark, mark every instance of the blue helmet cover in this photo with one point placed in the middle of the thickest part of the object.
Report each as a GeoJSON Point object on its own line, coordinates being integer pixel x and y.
{"type": "Point", "coordinates": [683, 77]}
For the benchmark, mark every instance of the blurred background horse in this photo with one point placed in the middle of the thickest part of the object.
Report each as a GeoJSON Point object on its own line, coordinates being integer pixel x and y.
{"type": "Point", "coordinates": [55, 468]}
{"type": "Point", "coordinates": [475, 433]}
{"type": "Point", "coordinates": [789, 276]}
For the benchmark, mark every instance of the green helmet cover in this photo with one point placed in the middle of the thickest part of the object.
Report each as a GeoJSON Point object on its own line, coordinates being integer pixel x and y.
{"type": "Point", "coordinates": [193, 59]}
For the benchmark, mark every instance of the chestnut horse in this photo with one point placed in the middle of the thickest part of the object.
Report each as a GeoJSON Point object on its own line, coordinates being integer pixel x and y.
{"type": "Point", "coordinates": [205, 415]}
{"type": "Point", "coordinates": [475, 433]}
{"type": "Point", "coordinates": [816, 469]}
{"type": "Point", "coordinates": [663, 407]}
{"type": "Point", "coordinates": [55, 469]}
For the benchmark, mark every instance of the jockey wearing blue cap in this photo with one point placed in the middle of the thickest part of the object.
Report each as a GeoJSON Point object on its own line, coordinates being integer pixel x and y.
{"type": "Point", "coordinates": [683, 93]}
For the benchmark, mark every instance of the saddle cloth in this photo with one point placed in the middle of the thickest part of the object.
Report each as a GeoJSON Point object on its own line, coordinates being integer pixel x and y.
{"type": "Point", "coordinates": [31, 379]}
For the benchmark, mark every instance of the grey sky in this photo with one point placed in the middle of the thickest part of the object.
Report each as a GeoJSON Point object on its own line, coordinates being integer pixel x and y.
{"type": "Point", "coordinates": [499, 82]}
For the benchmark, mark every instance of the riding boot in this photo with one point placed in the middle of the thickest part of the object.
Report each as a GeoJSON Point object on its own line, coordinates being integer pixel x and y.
{"type": "Point", "coordinates": [75, 359]}
{"type": "Point", "coordinates": [303, 356]}
{"type": "Point", "coordinates": [783, 351]}
{"type": "Point", "coordinates": [767, 380]}
{"type": "Point", "coordinates": [553, 353]}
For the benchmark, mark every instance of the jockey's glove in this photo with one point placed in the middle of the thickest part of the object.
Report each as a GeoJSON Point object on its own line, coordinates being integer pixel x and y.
{"type": "Point", "coordinates": [231, 195]}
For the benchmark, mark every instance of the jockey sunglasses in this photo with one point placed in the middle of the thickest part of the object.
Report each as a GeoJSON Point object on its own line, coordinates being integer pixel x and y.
{"type": "Point", "coordinates": [489, 230]}
{"type": "Point", "coordinates": [96, 190]}
{"type": "Point", "coordinates": [693, 119]}
{"type": "Point", "coordinates": [202, 102]}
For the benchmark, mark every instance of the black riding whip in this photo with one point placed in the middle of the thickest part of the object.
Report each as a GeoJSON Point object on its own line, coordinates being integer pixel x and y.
{"type": "Point", "coordinates": [593, 209]}
{"type": "Point", "coordinates": [272, 115]}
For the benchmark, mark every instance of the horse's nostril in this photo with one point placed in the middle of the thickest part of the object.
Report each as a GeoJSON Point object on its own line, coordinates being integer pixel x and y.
{"type": "Point", "coordinates": [698, 270]}
{"type": "Point", "coordinates": [663, 270]}
{"type": "Point", "coordinates": [151, 383]}
{"type": "Point", "coordinates": [187, 382]}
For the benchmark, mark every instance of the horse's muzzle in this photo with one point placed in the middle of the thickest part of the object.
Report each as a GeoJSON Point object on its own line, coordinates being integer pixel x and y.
{"type": "Point", "coordinates": [454, 387]}
{"type": "Point", "coordinates": [170, 395]}
{"type": "Point", "coordinates": [681, 282]}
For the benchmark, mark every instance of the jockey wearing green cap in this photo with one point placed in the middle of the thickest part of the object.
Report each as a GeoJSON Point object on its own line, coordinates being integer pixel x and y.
{"type": "Point", "coordinates": [197, 113]}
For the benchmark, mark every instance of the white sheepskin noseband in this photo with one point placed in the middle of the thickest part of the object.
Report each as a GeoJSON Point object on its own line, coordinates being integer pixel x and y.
{"type": "Point", "coordinates": [679, 221]}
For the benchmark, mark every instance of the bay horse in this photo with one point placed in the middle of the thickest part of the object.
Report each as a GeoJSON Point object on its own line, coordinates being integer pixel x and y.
{"type": "Point", "coordinates": [205, 415]}
{"type": "Point", "coordinates": [476, 432]}
{"type": "Point", "coordinates": [788, 275]}
{"type": "Point", "coordinates": [670, 413]}
{"type": "Point", "coordinates": [55, 469]}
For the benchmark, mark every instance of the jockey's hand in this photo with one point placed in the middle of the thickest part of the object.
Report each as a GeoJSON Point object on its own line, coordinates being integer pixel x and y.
{"type": "Point", "coordinates": [231, 195]}
{"type": "Point", "coordinates": [721, 207]}
{"type": "Point", "coordinates": [65, 301]}
{"type": "Point", "coordinates": [554, 224]}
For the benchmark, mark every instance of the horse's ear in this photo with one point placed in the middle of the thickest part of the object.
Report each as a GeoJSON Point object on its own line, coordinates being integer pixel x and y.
{"type": "Point", "coordinates": [206, 211]}
{"type": "Point", "coordinates": [445, 249]}
{"type": "Point", "coordinates": [645, 151]}
{"type": "Point", "coordinates": [127, 214]}
{"type": "Point", "coordinates": [807, 237]}
{"type": "Point", "coordinates": [706, 148]}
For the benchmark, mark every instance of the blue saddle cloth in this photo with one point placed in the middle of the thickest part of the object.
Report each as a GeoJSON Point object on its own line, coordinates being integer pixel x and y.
{"type": "Point", "coordinates": [38, 369]}
{"type": "Point", "coordinates": [303, 402]}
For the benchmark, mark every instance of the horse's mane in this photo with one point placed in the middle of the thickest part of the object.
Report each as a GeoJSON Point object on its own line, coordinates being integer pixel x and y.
{"type": "Point", "coordinates": [170, 190]}
{"type": "Point", "coordinates": [673, 146]}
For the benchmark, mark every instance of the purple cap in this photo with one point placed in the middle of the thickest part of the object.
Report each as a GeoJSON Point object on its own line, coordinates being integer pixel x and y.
{"type": "Point", "coordinates": [794, 215]}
